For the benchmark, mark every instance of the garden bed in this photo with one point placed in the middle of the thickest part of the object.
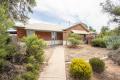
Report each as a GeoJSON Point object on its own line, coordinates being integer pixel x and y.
{"type": "Point", "coordinates": [86, 52]}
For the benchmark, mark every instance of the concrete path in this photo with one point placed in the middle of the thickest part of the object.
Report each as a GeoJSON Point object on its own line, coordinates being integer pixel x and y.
{"type": "Point", "coordinates": [56, 66]}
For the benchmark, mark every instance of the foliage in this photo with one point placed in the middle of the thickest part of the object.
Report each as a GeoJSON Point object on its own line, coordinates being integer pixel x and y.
{"type": "Point", "coordinates": [18, 78]}
{"type": "Point", "coordinates": [74, 39]}
{"type": "Point", "coordinates": [18, 9]}
{"type": "Point", "coordinates": [113, 42]}
{"type": "Point", "coordinates": [5, 66]}
{"type": "Point", "coordinates": [35, 47]}
{"type": "Point", "coordinates": [104, 29]}
{"type": "Point", "coordinates": [113, 9]}
{"type": "Point", "coordinates": [99, 42]}
{"type": "Point", "coordinates": [80, 69]}
{"type": "Point", "coordinates": [29, 76]}
{"type": "Point", "coordinates": [10, 11]}
{"type": "Point", "coordinates": [91, 29]}
{"type": "Point", "coordinates": [30, 67]}
{"type": "Point", "coordinates": [34, 56]}
{"type": "Point", "coordinates": [30, 59]}
{"type": "Point", "coordinates": [97, 65]}
{"type": "Point", "coordinates": [116, 31]}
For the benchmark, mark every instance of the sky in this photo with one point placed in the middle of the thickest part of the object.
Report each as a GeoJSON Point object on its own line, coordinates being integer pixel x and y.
{"type": "Point", "coordinates": [69, 12]}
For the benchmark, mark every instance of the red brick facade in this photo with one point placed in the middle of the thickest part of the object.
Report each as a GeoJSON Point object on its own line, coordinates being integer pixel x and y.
{"type": "Point", "coordinates": [46, 35]}
{"type": "Point", "coordinates": [43, 35]}
{"type": "Point", "coordinates": [21, 32]}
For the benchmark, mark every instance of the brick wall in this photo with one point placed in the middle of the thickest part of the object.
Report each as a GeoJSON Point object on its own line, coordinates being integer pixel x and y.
{"type": "Point", "coordinates": [43, 35]}
{"type": "Point", "coordinates": [21, 32]}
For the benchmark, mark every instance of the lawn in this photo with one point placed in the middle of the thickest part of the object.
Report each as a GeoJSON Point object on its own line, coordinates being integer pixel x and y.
{"type": "Point", "coordinates": [86, 52]}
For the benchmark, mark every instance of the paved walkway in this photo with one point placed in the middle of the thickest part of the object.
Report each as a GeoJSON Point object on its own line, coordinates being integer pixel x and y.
{"type": "Point", "coordinates": [56, 66]}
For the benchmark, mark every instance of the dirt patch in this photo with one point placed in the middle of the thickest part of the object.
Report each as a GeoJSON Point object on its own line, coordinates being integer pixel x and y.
{"type": "Point", "coordinates": [86, 52]}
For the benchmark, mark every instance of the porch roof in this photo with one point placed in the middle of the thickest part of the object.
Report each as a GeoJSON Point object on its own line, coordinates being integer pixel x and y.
{"type": "Point", "coordinates": [80, 32]}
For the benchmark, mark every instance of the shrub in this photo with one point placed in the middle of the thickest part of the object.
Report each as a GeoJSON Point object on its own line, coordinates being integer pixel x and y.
{"type": "Point", "coordinates": [99, 42]}
{"type": "Point", "coordinates": [18, 78]}
{"type": "Point", "coordinates": [29, 76]}
{"type": "Point", "coordinates": [30, 67]}
{"type": "Point", "coordinates": [113, 42]}
{"type": "Point", "coordinates": [80, 69]}
{"type": "Point", "coordinates": [98, 65]}
{"type": "Point", "coordinates": [30, 59]}
{"type": "Point", "coordinates": [34, 56]}
{"type": "Point", "coordinates": [35, 47]}
{"type": "Point", "coordinates": [74, 39]}
{"type": "Point", "coordinates": [19, 58]}
{"type": "Point", "coordinates": [5, 66]}
{"type": "Point", "coordinates": [3, 53]}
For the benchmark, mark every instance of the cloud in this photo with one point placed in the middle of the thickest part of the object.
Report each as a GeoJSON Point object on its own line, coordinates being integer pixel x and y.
{"type": "Point", "coordinates": [64, 11]}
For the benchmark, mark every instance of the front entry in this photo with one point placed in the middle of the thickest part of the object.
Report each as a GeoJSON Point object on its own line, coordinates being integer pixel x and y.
{"type": "Point", "coordinates": [53, 38]}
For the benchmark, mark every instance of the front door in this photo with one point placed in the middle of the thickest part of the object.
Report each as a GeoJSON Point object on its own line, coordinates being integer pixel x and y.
{"type": "Point", "coordinates": [53, 38]}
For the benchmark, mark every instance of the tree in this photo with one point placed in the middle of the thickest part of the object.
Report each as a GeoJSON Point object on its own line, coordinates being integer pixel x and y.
{"type": "Point", "coordinates": [18, 9]}
{"type": "Point", "coordinates": [91, 29]}
{"type": "Point", "coordinates": [116, 31]}
{"type": "Point", "coordinates": [104, 29]}
{"type": "Point", "coordinates": [10, 10]}
{"type": "Point", "coordinates": [113, 8]}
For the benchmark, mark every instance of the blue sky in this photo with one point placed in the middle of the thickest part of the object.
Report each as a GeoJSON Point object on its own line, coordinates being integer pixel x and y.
{"type": "Point", "coordinates": [69, 12]}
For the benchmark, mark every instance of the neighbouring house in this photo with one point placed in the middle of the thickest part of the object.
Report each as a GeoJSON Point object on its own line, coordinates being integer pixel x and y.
{"type": "Point", "coordinates": [54, 34]}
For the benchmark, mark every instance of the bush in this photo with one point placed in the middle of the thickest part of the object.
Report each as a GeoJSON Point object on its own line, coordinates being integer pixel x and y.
{"type": "Point", "coordinates": [29, 76]}
{"type": "Point", "coordinates": [98, 65]}
{"type": "Point", "coordinates": [74, 39]}
{"type": "Point", "coordinates": [35, 47]}
{"type": "Point", "coordinates": [3, 53]}
{"type": "Point", "coordinates": [80, 69]}
{"type": "Point", "coordinates": [113, 42]}
{"type": "Point", "coordinates": [5, 66]}
{"type": "Point", "coordinates": [33, 57]}
{"type": "Point", "coordinates": [30, 59]}
{"type": "Point", "coordinates": [30, 67]}
{"type": "Point", "coordinates": [18, 78]}
{"type": "Point", "coordinates": [99, 42]}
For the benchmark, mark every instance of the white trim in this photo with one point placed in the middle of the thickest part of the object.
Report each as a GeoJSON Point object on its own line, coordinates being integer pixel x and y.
{"type": "Point", "coordinates": [57, 42]}
{"type": "Point", "coordinates": [65, 42]}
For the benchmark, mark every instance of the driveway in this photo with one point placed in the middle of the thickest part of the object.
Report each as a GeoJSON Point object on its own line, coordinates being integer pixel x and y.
{"type": "Point", "coordinates": [55, 70]}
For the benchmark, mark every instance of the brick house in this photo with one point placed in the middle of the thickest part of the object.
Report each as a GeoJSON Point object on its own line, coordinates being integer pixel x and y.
{"type": "Point", "coordinates": [53, 34]}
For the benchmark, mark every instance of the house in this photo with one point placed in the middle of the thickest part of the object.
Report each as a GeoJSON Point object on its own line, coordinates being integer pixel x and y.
{"type": "Point", "coordinates": [52, 34]}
